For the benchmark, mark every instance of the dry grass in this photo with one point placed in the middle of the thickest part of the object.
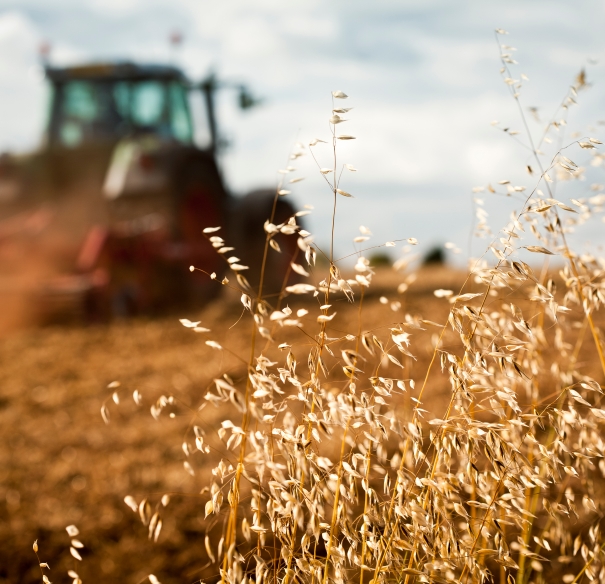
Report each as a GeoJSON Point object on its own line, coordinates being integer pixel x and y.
{"type": "Point", "coordinates": [66, 466]}
{"type": "Point", "coordinates": [432, 435]}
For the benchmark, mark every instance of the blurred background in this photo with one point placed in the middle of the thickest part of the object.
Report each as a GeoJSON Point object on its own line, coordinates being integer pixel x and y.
{"type": "Point", "coordinates": [423, 78]}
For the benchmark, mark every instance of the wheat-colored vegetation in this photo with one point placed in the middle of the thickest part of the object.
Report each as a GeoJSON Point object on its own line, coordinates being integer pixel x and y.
{"type": "Point", "coordinates": [345, 435]}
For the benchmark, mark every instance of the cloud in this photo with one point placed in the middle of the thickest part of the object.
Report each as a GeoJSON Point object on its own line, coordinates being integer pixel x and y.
{"type": "Point", "coordinates": [21, 86]}
{"type": "Point", "coordinates": [423, 77]}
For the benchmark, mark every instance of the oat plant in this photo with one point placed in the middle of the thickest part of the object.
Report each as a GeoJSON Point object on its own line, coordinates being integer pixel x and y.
{"type": "Point", "coordinates": [333, 461]}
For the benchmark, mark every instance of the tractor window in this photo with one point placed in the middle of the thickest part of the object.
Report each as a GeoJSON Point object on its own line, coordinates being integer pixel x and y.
{"type": "Point", "coordinates": [202, 136]}
{"type": "Point", "coordinates": [81, 101]}
{"type": "Point", "coordinates": [86, 113]}
{"type": "Point", "coordinates": [80, 107]}
{"type": "Point", "coordinates": [89, 111]}
{"type": "Point", "coordinates": [148, 103]}
{"type": "Point", "coordinates": [180, 122]}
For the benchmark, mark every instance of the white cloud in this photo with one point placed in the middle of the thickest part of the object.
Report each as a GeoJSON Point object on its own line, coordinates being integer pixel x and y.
{"type": "Point", "coordinates": [120, 8]}
{"type": "Point", "coordinates": [21, 85]}
{"type": "Point", "coordinates": [309, 26]}
{"type": "Point", "coordinates": [423, 77]}
{"type": "Point", "coordinates": [250, 39]}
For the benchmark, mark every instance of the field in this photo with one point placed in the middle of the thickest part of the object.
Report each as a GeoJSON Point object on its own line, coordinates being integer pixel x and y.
{"type": "Point", "coordinates": [63, 465]}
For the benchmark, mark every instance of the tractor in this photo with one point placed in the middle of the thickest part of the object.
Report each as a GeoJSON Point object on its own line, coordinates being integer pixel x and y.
{"type": "Point", "coordinates": [107, 216]}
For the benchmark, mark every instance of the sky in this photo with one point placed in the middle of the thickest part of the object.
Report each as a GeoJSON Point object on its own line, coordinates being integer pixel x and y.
{"type": "Point", "coordinates": [423, 79]}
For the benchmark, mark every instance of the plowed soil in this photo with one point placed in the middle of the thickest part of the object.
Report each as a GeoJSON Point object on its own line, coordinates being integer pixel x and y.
{"type": "Point", "coordinates": [60, 464]}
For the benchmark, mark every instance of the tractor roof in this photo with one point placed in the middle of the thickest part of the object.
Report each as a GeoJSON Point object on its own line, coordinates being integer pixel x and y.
{"type": "Point", "coordinates": [124, 71]}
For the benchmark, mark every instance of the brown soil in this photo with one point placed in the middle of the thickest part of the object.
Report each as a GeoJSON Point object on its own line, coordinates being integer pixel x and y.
{"type": "Point", "coordinates": [61, 464]}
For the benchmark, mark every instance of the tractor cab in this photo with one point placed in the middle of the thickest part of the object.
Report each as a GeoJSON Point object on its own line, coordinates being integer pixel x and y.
{"type": "Point", "coordinates": [104, 103]}
{"type": "Point", "coordinates": [95, 108]}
